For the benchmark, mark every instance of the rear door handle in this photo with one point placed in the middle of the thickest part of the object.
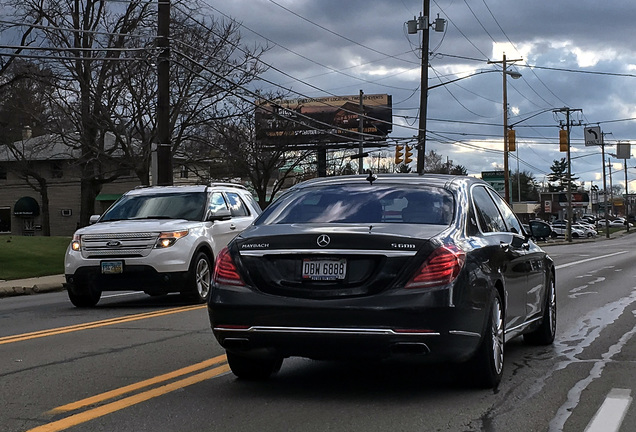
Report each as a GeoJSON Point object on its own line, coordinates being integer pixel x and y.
{"type": "Point", "coordinates": [232, 226]}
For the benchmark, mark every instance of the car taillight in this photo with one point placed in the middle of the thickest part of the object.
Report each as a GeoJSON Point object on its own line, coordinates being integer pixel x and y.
{"type": "Point", "coordinates": [440, 268]}
{"type": "Point", "coordinates": [225, 272]}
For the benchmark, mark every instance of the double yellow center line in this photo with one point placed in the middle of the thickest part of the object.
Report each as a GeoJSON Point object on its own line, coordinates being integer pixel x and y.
{"type": "Point", "coordinates": [94, 324]}
{"type": "Point", "coordinates": [129, 401]}
{"type": "Point", "coordinates": [99, 405]}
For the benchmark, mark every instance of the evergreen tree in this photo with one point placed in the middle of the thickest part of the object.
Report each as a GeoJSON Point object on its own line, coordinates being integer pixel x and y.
{"type": "Point", "coordinates": [559, 175]}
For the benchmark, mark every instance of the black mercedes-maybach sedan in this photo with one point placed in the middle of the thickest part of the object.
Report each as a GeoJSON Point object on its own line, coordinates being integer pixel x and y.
{"type": "Point", "coordinates": [379, 266]}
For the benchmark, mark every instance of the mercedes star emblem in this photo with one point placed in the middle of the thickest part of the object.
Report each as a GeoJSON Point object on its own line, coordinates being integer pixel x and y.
{"type": "Point", "coordinates": [323, 240]}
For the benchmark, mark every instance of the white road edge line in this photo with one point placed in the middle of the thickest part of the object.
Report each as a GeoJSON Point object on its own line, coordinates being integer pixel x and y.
{"type": "Point", "coordinates": [611, 414]}
{"type": "Point", "coordinates": [123, 294]}
{"type": "Point", "coordinates": [589, 259]}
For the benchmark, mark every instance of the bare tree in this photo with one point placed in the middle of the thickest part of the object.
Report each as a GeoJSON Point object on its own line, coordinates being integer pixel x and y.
{"type": "Point", "coordinates": [231, 150]}
{"type": "Point", "coordinates": [83, 42]}
{"type": "Point", "coordinates": [24, 110]}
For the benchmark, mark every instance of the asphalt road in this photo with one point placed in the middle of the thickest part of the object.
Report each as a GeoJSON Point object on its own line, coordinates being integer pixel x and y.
{"type": "Point", "coordinates": [138, 363]}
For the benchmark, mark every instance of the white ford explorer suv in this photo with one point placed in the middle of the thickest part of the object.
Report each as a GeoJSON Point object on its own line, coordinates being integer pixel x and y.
{"type": "Point", "coordinates": [158, 239]}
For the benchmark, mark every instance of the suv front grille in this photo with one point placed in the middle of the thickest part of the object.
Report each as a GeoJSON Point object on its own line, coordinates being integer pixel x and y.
{"type": "Point", "coordinates": [118, 245]}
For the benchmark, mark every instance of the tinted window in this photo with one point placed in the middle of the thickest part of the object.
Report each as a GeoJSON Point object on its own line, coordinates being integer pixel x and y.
{"type": "Point", "coordinates": [217, 202]}
{"type": "Point", "coordinates": [490, 220]}
{"type": "Point", "coordinates": [509, 217]}
{"type": "Point", "coordinates": [237, 207]}
{"type": "Point", "coordinates": [362, 204]}
{"type": "Point", "coordinates": [188, 206]}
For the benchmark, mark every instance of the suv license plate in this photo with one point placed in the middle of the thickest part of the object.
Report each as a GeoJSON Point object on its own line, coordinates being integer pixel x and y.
{"type": "Point", "coordinates": [112, 267]}
{"type": "Point", "coordinates": [321, 269]}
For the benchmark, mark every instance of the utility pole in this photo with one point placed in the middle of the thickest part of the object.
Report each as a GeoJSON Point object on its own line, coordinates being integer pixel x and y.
{"type": "Point", "coordinates": [413, 26]}
{"type": "Point", "coordinates": [611, 189]}
{"type": "Point", "coordinates": [361, 131]}
{"type": "Point", "coordinates": [421, 133]}
{"type": "Point", "coordinates": [504, 65]}
{"type": "Point", "coordinates": [626, 200]}
{"type": "Point", "coordinates": [567, 112]}
{"type": "Point", "coordinates": [164, 146]}
{"type": "Point", "coordinates": [505, 133]}
{"type": "Point", "coordinates": [607, 234]}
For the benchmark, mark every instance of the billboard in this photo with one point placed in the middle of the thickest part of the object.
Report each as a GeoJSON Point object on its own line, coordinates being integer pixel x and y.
{"type": "Point", "coordinates": [323, 120]}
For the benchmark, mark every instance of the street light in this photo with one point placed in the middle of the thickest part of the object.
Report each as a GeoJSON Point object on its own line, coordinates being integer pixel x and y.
{"type": "Point", "coordinates": [513, 75]}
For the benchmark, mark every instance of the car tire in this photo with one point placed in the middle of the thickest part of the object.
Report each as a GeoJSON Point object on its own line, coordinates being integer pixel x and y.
{"type": "Point", "coordinates": [575, 235]}
{"type": "Point", "coordinates": [253, 368]}
{"type": "Point", "coordinates": [553, 234]}
{"type": "Point", "coordinates": [486, 367]}
{"type": "Point", "coordinates": [199, 278]}
{"type": "Point", "coordinates": [545, 333]}
{"type": "Point", "coordinates": [84, 296]}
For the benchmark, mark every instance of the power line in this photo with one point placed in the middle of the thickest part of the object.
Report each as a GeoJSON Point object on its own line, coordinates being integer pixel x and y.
{"type": "Point", "coordinates": [303, 56]}
{"type": "Point", "coordinates": [335, 33]}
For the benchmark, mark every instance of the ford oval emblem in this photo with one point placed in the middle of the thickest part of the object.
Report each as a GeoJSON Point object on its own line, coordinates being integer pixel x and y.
{"type": "Point", "coordinates": [323, 240]}
{"type": "Point", "coordinates": [113, 243]}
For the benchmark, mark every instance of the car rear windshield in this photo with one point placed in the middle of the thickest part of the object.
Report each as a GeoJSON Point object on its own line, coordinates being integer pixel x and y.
{"type": "Point", "coordinates": [362, 204]}
{"type": "Point", "coordinates": [189, 206]}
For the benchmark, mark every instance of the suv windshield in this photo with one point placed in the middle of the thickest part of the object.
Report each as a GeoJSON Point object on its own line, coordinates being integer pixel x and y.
{"type": "Point", "coordinates": [189, 206]}
{"type": "Point", "coordinates": [362, 204]}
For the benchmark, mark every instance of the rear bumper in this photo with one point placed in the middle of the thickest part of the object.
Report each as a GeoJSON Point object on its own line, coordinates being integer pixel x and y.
{"type": "Point", "coordinates": [377, 327]}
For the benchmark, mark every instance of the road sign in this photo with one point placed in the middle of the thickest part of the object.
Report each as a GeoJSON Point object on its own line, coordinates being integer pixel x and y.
{"type": "Point", "coordinates": [496, 180]}
{"type": "Point", "coordinates": [623, 151]}
{"type": "Point", "coordinates": [593, 136]}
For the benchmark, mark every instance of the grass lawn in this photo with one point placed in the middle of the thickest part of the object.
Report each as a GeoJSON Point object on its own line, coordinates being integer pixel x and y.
{"type": "Point", "coordinates": [25, 257]}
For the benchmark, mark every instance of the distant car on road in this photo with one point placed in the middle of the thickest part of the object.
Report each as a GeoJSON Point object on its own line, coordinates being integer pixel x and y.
{"type": "Point", "coordinates": [433, 268]}
{"type": "Point", "coordinates": [157, 239]}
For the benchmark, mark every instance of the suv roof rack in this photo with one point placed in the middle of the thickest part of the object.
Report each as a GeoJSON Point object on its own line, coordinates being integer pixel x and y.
{"type": "Point", "coordinates": [237, 185]}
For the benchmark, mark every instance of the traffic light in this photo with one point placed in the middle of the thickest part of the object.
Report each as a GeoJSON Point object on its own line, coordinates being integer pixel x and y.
{"type": "Point", "coordinates": [399, 157]}
{"type": "Point", "coordinates": [511, 140]}
{"type": "Point", "coordinates": [408, 152]}
{"type": "Point", "coordinates": [563, 140]}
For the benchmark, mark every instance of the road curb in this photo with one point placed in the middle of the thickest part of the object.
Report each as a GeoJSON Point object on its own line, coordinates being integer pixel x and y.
{"type": "Point", "coordinates": [32, 286]}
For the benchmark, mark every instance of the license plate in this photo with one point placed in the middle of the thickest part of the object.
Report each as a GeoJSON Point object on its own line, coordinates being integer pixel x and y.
{"type": "Point", "coordinates": [112, 267]}
{"type": "Point", "coordinates": [324, 269]}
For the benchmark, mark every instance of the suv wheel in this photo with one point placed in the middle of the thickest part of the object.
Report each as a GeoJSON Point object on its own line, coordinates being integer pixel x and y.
{"type": "Point", "coordinates": [84, 296]}
{"type": "Point", "coordinates": [199, 278]}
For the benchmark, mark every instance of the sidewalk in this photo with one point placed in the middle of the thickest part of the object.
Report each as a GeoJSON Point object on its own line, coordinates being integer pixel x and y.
{"type": "Point", "coordinates": [32, 285]}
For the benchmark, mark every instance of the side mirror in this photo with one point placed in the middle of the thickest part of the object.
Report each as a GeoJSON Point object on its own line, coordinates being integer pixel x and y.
{"type": "Point", "coordinates": [220, 214]}
{"type": "Point", "coordinates": [93, 219]}
{"type": "Point", "coordinates": [540, 229]}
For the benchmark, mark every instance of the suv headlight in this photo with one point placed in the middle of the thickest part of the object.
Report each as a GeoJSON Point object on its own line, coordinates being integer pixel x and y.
{"type": "Point", "coordinates": [167, 239]}
{"type": "Point", "coordinates": [76, 243]}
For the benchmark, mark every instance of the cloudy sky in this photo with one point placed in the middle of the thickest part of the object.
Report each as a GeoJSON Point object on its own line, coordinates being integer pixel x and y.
{"type": "Point", "coordinates": [574, 54]}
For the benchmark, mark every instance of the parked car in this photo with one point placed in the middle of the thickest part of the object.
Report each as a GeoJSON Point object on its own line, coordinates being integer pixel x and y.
{"type": "Point", "coordinates": [559, 229]}
{"type": "Point", "coordinates": [538, 229]}
{"type": "Point", "coordinates": [157, 239]}
{"type": "Point", "coordinates": [616, 223]}
{"type": "Point", "coordinates": [588, 230]}
{"type": "Point", "coordinates": [431, 267]}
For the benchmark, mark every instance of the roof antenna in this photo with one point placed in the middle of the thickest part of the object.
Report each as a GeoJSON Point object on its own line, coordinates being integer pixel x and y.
{"type": "Point", "coordinates": [371, 177]}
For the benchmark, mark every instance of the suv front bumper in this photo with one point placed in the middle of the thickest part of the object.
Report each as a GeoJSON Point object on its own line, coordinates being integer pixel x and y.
{"type": "Point", "coordinates": [135, 277]}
